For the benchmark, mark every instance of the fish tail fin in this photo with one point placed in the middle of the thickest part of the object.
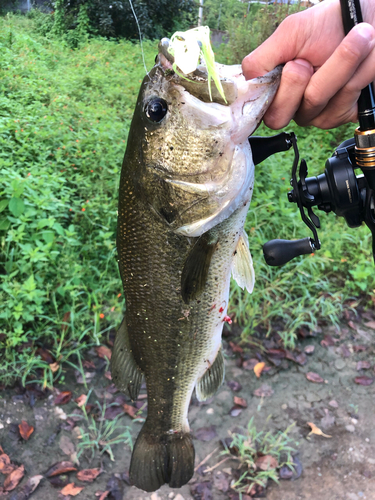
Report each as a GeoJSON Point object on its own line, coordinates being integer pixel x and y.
{"type": "Point", "coordinates": [156, 460]}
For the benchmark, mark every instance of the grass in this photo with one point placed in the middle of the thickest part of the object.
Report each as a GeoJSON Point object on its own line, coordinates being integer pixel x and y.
{"type": "Point", "coordinates": [98, 435]}
{"type": "Point", "coordinates": [252, 445]}
{"type": "Point", "coordinates": [64, 120]}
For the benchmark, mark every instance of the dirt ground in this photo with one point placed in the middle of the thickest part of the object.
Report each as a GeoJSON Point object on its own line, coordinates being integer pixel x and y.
{"type": "Point", "coordinates": [341, 467]}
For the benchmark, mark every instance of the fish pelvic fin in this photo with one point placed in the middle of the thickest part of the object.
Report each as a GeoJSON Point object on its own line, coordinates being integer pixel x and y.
{"type": "Point", "coordinates": [212, 379]}
{"type": "Point", "coordinates": [196, 267]}
{"type": "Point", "coordinates": [242, 266]}
{"type": "Point", "coordinates": [159, 459]}
{"type": "Point", "coordinates": [126, 374]}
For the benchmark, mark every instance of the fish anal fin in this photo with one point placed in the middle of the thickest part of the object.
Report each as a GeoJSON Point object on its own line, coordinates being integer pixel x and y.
{"type": "Point", "coordinates": [196, 267]}
{"type": "Point", "coordinates": [242, 266]}
{"type": "Point", "coordinates": [212, 379]}
{"type": "Point", "coordinates": [126, 374]}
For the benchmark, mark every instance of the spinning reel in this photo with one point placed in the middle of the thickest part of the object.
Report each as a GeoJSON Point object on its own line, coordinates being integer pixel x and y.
{"type": "Point", "coordinates": [338, 189]}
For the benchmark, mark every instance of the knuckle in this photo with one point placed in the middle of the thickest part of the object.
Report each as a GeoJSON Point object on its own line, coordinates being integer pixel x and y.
{"type": "Point", "coordinates": [312, 97]}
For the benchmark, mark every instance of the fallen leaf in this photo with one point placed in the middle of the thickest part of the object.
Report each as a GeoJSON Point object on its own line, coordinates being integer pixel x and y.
{"type": "Point", "coordinates": [363, 380]}
{"type": "Point", "coordinates": [88, 474]}
{"type": "Point", "coordinates": [235, 347]}
{"type": "Point", "coordinates": [81, 400]}
{"type": "Point", "coordinates": [221, 483]}
{"type": "Point", "coordinates": [309, 349]}
{"type": "Point", "coordinates": [130, 410]}
{"type": "Point", "coordinates": [206, 433]}
{"type": "Point", "coordinates": [14, 478]}
{"type": "Point", "coordinates": [28, 488]}
{"type": "Point", "coordinates": [363, 365]}
{"type": "Point", "coordinates": [60, 468]}
{"type": "Point", "coordinates": [25, 430]}
{"type": "Point", "coordinates": [258, 368]}
{"type": "Point", "coordinates": [235, 411]}
{"type": "Point", "coordinates": [240, 402]}
{"type": "Point", "coordinates": [264, 391]}
{"type": "Point", "coordinates": [370, 324]}
{"type": "Point", "coordinates": [108, 375]}
{"type": "Point", "coordinates": [63, 398]}
{"type": "Point", "coordinates": [103, 352]}
{"type": "Point", "coordinates": [71, 489]}
{"type": "Point", "coordinates": [359, 348]}
{"type": "Point", "coordinates": [276, 353]}
{"type": "Point", "coordinates": [333, 403]}
{"type": "Point", "coordinates": [59, 481]}
{"type": "Point", "coordinates": [116, 487]}
{"type": "Point", "coordinates": [328, 341]}
{"type": "Point", "coordinates": [89, 364]}
{"type": "Point", "coordinates": [54, 367]}
{"type": "Point", "coordinates": [345, 351]}
{"type": "Point", "coordinates": [66, 445]}
{"type": "Point", "coordinates": [266, 462]}
{"type": "Point", "coordinates": [353, 325]}
{"type": "Point", "coordinates": [234, 385]}
{"type": "Point", "coordinates": [301, 358]}
{"type": "Point", "coordinates": [5, 466]}
{"type": "Point", "coordinates": [314, 377]}
{"type": "Point", "coordinates": [316, 430]}
{"type": "Point", "coordinates": [45, 355]}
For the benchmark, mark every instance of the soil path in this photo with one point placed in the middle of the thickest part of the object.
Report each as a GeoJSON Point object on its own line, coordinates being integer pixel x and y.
{"type": "Point", "coordinates": [338, 468]}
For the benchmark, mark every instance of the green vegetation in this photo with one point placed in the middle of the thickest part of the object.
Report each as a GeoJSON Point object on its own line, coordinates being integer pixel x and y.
{"type": "Point", "coordinates": [64, 119]}
{"type": "Point", "coordinates": [98, 434]}
{"type": "Point", "coordinates": [260, 455]}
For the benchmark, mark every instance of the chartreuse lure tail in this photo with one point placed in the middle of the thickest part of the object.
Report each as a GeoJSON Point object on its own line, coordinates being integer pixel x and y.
{"type": "Point", "coordinates": [187, 47]}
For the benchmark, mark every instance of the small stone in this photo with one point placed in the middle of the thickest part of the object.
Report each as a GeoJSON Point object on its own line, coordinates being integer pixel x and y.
{"type": "Point", "coordinates": [284, 406]}
{"type": "Point", "coordinates": [351, 496]}
{"type": "Point", "coordinates": [333, 404]}
{"type": "Point", "coordinates": [210, 411]}
{"type": "Point", "coordinates": [354, 421]}
{"type": "Point", "coordinates": [350, 428]}
{"type": "Point", "coordinates": [340, 364]}
{"type": "Point", "coordinates": [171, 495]}
{"type": "Point", "coordinates": [309, 349]}
{"type": "Point", "coordinates": [179, 497]}
{"type": "Point", "coordinates": [312, 397]}
{"type": "Point", "coordinates": [367, 440]}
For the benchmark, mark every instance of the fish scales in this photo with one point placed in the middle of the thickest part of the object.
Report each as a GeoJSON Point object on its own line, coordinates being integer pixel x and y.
{"type": "Point", "coordinates": [184, 193]}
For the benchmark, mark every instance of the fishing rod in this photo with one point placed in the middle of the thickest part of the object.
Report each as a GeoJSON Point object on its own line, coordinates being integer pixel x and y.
{"type": "Point", "coordinates": [338, 189]}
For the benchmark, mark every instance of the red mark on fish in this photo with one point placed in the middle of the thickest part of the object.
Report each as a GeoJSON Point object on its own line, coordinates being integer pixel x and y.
{"type": "Point", "coordinates": [227, 320]}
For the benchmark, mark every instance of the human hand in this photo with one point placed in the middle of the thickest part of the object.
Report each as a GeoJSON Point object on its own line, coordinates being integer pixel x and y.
{"type": "Point", "coordinates": [324, 71]}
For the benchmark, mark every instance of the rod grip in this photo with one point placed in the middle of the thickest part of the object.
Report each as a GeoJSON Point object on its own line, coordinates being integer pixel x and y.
{"type": "Point", "coordinates": [279, 252]}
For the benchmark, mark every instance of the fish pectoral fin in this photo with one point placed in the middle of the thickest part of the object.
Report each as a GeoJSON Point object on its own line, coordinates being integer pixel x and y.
{"type": "Point", "coordinates": [126, 374]}
{"type": "Point", "coordinates": [212, 379]}
{"type": "Point", "coordinates": [242, 266]}
{"type": "Point", "coordinates": [195, 271]}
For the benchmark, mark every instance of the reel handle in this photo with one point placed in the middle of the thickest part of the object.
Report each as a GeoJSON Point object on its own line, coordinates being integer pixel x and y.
{"type": "Point", "coordinates": [279, 252]}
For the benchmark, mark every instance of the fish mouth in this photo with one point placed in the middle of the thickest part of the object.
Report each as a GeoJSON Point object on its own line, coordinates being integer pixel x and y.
{"type": "Point", "coordinates": [196, 83]}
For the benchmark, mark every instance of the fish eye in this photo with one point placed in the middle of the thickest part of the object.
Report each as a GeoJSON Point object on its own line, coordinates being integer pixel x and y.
{"type": "Point", "coordinates": [156, 109]}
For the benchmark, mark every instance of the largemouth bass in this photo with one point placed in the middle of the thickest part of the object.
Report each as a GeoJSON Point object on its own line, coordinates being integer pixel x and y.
{"type": "Point", "coordinates": [185, 189]}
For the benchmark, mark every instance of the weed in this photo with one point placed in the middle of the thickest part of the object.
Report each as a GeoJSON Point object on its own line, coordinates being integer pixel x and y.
{"type": "Point", "coordinates": [250, 448]}
{"type": "Point", "coordinates": [99, 434]}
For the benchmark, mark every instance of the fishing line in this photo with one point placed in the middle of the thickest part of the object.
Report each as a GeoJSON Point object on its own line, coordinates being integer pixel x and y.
{"type": "Point", "coordinates": [140, 34]}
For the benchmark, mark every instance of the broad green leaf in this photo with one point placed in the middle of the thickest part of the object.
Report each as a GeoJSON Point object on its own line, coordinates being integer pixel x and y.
{"type": "Point", "coordinates": [4, 224]}
{"type": "Point", "coordinates": [3, 204]}
{"type": "Point", "coordinates": [16, 206]}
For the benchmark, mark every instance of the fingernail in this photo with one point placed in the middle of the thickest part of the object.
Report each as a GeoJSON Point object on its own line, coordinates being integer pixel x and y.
{"type": "Point", "coordinates": [366, 31]}
{"type": "Point", "coordinates": [304, 63]}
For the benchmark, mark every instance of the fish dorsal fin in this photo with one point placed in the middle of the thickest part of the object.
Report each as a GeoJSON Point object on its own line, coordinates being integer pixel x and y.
{"type": "Point", "coordinates": [125, 372]}
{"type": "Point", "coordinates": [242, 266]}
{"type": "Point", "coordinates": [197, 264]}
{"type": "Point", "coordinates": [212, 379]}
